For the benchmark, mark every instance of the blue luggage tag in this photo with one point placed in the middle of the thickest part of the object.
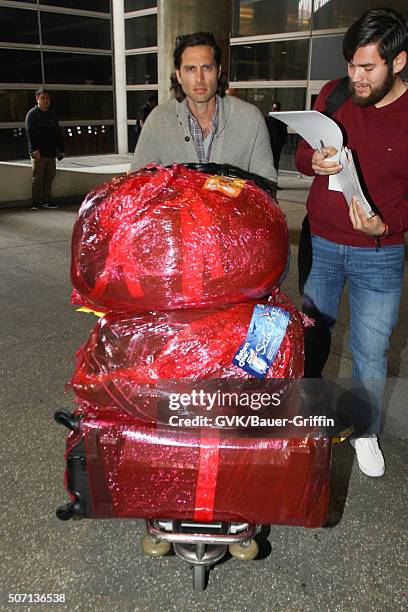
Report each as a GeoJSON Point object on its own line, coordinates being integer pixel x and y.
{"type": "Point", "coordinates": [266, 331]}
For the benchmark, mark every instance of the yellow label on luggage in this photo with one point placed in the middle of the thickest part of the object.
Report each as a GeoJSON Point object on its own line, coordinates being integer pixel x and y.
{"type": "Point", "coordinates": [90, 311]}
{"type": "Point", "coordinates": [231, 187]}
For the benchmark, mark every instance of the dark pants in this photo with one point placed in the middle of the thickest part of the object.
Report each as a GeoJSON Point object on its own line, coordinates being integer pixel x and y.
{"type": "Point", "coordinates": [43, 176]}
{"type": "Point", "coordinates": [276, 152]}
{"type": "Point", "coordinates": [317, 339]}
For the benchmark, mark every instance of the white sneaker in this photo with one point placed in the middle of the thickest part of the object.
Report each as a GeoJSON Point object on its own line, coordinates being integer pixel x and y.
{"type": "Point", "coordinates": [369, 455]}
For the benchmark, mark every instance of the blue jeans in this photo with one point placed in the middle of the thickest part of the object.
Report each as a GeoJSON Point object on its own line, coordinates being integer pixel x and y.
{"type": "Point", "coordinates": [374, 278]}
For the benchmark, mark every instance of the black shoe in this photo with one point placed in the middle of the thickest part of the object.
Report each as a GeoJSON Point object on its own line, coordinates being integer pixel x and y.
{"type": "Point", "coordinates": [35, 206]}
{"type": "Point", "coordinates": [48, 205]}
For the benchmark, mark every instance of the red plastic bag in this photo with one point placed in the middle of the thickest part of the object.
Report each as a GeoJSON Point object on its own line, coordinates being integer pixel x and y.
{"type": "Point", "coordinates": [162, 240]}
{"type": "Point", "coordinates": [128, 359]}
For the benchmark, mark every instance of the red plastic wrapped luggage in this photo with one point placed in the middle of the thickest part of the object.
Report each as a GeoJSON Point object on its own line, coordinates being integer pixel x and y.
{"type": "Point", "coordinates": [176, 238]}
{"type": "Point", "coordinates": [127, 357]}
{"type": "Point", "coordinates": [121, 467]}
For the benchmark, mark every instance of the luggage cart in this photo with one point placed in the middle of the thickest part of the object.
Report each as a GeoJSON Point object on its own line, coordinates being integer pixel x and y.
{"type": "Point", "coordinates": [201, 544]}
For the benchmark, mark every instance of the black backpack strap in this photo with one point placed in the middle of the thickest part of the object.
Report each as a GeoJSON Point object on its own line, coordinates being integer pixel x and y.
{"type": "Point", "coordinates": [337, 96]}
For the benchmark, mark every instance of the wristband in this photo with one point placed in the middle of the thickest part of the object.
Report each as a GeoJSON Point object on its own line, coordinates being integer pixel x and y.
{"type": "Point", "coordinates": [385, 232]}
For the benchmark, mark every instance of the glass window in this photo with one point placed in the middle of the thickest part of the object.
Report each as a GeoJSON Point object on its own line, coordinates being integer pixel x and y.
{"type": "Point", "coordinates": [136, 99]}
{"type": "Point", "coordinates": [78, 140]}
{"type": "Point", "coordinates": [342, 13]}
{"type": "Point", "coordinates": [327, 58]}
{"type": "Point", "coordinates": [291, 98]}
{"type": "Point", "coordinates": [14, 105]}
{"type": "Point", "coordinates": [86, 5]}
{"type": "Point", "coordinates": [82, 104]}
{"type": "Point", "coordinates": [138, 5]}
{"type": "Point", "coordinates": [141, 69]}
{"type": "Point", "coordinates": [141, 32]}
{"type": "Point", "coordinates": [253, 17]}
{"type": "Point", "coordinates": [18, 26]}
{"type": "Point", "coordinates": [20, 66]}
{"type": "Point", "coordinates": [75, 31]}
{"type": "Point", "coordinates": [78, 68]}
{"type": "Point", "coordinates": [284, 60]}
{"type": "Point", "coordinates": [89, 139]}
{"type": "Point", "coordinates": [13, 144]}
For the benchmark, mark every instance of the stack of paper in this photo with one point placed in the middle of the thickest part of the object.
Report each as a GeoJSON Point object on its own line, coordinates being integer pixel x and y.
{"type": "Point", "coordinates": [321, 131]}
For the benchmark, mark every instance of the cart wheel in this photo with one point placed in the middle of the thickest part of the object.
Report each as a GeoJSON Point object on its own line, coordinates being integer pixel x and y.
{"type": "Point", "coordinates": [154, 547]}
{"type": "Point", "coordinates": [244, 551]}
{"type": "Point", "coordinates": [200, 575]}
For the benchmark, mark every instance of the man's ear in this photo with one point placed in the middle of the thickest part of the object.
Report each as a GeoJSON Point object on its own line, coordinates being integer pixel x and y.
{"type": "Point", "coordinates": [399, 62]}
{"type": "Point", "coordinates": [219, 71]}
{"type": "Point", "coordinates": [178, 76]}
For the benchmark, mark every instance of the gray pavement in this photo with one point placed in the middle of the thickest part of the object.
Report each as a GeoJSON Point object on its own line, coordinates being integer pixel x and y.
{"type": "Point", "coordinates": [358, 564]}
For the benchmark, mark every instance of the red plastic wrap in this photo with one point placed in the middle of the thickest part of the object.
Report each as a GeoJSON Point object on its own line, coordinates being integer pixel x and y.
{"type": "Point", "coordinates": [127, 358]}
{"type": "Point", "coordinates": [143, 470]}
{"type": "Point", "coordinates": [161, 241]}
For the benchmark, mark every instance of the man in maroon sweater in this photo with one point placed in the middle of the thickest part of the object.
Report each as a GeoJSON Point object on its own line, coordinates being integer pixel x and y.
{"type": "Point", "coordinates": [368, 254]}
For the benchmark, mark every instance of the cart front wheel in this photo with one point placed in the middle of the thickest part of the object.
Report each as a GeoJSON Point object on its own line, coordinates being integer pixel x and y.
{"type": "Point", "coordinates": [244, 551]}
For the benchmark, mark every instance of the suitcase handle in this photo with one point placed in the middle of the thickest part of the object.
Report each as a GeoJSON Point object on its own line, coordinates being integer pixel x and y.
{"type": "Point", "coordinates": [64, 417]}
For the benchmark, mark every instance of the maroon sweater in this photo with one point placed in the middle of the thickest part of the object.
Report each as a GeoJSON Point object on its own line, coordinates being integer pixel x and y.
{"type": "Point", "coordinates": [378, 138]}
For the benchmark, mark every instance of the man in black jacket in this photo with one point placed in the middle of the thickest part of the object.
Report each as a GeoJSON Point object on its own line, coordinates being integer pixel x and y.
{"type": "Point", "coordinates": [44, 145]}
{"type": "Point", "coordinates": [278, 133]}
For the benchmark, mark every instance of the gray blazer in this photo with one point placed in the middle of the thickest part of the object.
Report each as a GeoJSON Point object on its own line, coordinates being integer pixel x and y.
{"type": "Point", "coordinates": [242, 138]}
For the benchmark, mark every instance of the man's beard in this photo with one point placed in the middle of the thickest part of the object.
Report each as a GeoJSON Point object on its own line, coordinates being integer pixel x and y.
{"type": "Point", "coordinates": [376, 94]}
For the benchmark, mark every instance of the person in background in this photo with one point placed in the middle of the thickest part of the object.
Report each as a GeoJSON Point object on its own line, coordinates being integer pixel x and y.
{"type": "Point", "coordinates": [278, 133]}
{"type": "Point", "coordinates": [44, 146]}
{"type": "Point", "coordinates": [144, 111]}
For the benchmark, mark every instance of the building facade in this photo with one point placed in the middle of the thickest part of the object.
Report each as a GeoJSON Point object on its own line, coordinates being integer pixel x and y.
{"type": "Point", "coordinates": [281, 50]}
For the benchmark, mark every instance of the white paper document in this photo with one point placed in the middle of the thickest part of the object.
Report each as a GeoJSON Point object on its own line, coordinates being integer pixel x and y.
{"type": "Point", "coordinates": [320, 131]}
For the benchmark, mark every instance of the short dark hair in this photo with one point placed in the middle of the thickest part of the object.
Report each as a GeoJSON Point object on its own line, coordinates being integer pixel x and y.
{"type": "Point", "coordinates": [193, 40]}
{"type": "Point", "coordinates": [383, 26]}
{"type": "Point", "coordinates": [42, 90]}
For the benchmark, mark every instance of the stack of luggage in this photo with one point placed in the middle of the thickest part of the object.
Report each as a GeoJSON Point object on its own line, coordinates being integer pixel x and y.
{"type": "Point", "coordinates": [186, 265]}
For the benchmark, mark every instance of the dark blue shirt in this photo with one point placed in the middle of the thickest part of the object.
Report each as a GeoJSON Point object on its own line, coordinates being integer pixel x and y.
{"type": "Point", "coordinates": [43, 132]}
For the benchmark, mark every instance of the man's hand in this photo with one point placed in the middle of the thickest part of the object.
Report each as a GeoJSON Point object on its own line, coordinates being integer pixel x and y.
{"type": "Point", "coordinates": [36, 154]}
{"type": "Point", "coordinates": [373, 226]}
{"type": "Point", "coordinates": [321, 166]}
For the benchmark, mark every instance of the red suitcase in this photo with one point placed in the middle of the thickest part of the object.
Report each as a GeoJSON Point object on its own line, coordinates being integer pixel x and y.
{"type": "Point", "coordinates": [119, 466]}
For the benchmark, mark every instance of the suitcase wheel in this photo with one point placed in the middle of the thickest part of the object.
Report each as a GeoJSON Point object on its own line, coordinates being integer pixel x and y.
{"type": "Point", "coordinates": [244, 551]}
{"type": "Point", "coordinates": [154, 547]}
{"type": "Point", "coordinates": [70, 510]}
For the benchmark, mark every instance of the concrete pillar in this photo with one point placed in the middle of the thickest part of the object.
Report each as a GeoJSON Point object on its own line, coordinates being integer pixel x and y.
{"type": "Point", "coordinates": [118, 18]}
{"type": "Point", "coordinates": [175, 17]}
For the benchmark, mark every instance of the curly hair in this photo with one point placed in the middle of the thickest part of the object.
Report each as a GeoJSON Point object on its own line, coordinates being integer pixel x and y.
{"type": "Point", "coordinates": [192, 40]}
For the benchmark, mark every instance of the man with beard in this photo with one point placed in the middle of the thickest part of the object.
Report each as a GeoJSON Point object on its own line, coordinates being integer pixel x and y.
{"type": "Point", "coordinates": [200, 123]}
{"type": "Point", "coordinates": [346, 246]}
